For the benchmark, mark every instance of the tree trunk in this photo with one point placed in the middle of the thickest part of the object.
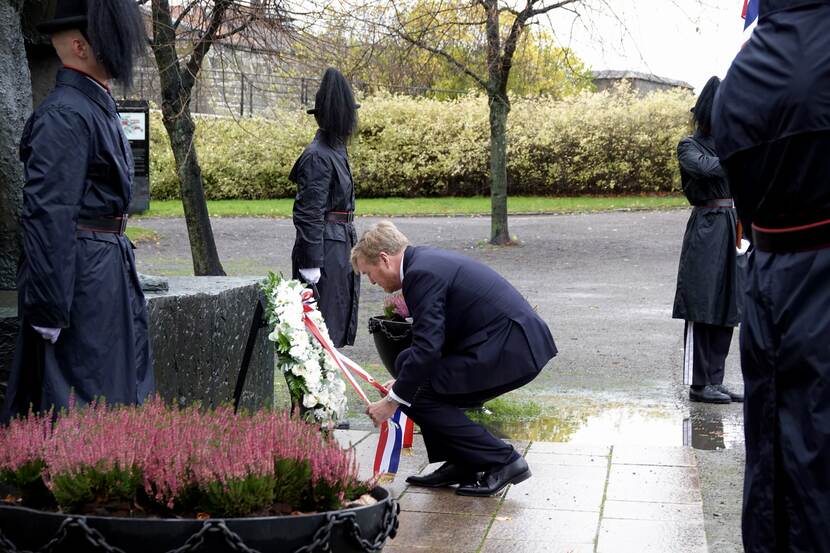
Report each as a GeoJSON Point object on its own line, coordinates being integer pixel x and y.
{"type": "Point", "coordinates": [15, 106]}
{"type": "Point", "coordinates": [176, 87]}
{"type": "Point", "coordinates": [499, 109]}
{"type": "Point", "coordinates": [180, 129]}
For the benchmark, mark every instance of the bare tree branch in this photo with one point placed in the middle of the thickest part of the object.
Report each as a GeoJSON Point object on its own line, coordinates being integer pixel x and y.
{"type": "Point", "coordinates": [194, 64]}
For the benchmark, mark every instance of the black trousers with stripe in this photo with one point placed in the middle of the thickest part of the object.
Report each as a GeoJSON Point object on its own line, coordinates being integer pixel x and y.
{"type": "Point", "coordinates": [705, 348]}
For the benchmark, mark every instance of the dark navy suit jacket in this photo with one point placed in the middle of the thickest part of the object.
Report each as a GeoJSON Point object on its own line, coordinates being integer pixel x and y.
{"type": "Point", "coordinates": [472, 330]}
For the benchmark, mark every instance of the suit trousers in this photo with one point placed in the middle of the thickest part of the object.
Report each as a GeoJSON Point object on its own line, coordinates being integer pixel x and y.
{"type": "Point", "coordinates": [449, 435]}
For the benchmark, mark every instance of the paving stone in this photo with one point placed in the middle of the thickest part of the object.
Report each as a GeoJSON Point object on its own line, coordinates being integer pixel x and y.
{"type": "Point", "coordinates": [440, 532]}
{"type": "Point", "coordinates": [646, 536]}
{"type": "Point", "coordinates": [568, 473]}
{"type": "Point", "coordinates": [639, 510]}
{"type": "Point", "coordinates": [544, 525]}
{"type": "Point", "coordinates": [556, 493]}
{"type": "Point", "coordinates": [391, 547]}
{"type": "Point", "coordinates": [448, 502]}
{"type": "Point", "coordinates": [645, 455]}
{"type": "Point", "coordinates": [348, 438]}
{"type": "Point", "coordinates": [570, 449]}
{"type": "Point", "coordinates": [535, 458]}
{"type": "Point", "coordinates": [654, 483]}
{"type": "Point", "coordinates": [512, 546]}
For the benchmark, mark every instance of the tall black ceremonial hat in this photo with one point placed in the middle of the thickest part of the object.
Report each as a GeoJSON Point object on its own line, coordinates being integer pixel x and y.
{"type": "Point", "coordinates": [68, 14]}
{"type": "Point", "coordinates": [114, 29]}
{"type": "Point", "coordinates": [334, 89]}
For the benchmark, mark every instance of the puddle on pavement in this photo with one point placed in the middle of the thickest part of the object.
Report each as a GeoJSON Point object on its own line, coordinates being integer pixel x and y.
{"type": "Point", "coordinates": [709, 427]}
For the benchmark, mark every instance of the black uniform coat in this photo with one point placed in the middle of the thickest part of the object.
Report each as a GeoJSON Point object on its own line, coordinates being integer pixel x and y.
{"type": "Point", "coordinates": [472, 331]}
{"type": "Point", "coordinates": [707, 280]}
{"type": "Point", "coordinates": [77, 163]}
{"type": "Point", "coordinates": [324, 184]}
{"type": "Point", "coordinates": [772, 130]}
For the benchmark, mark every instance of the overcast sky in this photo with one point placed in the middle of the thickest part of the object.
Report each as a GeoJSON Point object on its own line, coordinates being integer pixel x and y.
{"type": "Point", "coordinates": [689, 40]}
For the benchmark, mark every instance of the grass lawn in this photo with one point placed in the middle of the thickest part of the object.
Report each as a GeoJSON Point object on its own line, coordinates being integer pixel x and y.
{"type": "Point", "coordinates": [403, 207]}
{"type": "Point", "coordinates": [140, 234]}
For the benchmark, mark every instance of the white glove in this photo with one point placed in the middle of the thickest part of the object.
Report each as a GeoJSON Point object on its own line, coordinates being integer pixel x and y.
{"type": "Point", "coordinates": [312, 276]}
{"type": "Point", "coordinates": [744, 246]}
{"type": "Point", "coordinates": [47, 333]}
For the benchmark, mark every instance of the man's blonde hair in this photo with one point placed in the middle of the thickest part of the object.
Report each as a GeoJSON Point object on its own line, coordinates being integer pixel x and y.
{"type": "Point", "coordinates": [381, 237]}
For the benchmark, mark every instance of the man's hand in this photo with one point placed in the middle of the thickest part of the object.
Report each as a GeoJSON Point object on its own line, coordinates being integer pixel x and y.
{"type": "Point", "coordinates": [381, 410]}
{"type": "Point", "coordinates": [388, 384]}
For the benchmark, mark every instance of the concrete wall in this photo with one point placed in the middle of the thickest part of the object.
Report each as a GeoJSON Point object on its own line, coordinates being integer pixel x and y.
{"type": "Point", "coordinates": [198, 331]}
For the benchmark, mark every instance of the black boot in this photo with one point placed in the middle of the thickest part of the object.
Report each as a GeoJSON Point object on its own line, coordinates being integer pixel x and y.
{"type": "Point", "coordinates": [708, 394]}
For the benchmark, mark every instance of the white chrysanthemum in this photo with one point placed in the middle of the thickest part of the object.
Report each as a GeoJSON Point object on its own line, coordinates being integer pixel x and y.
{"type": "Point", "coordinates": [304, 357]}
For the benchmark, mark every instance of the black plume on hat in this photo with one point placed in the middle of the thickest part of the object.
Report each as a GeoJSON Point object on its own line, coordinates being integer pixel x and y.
{"type": "Point", "coordinates": [702, 112]}
{"type": "Point", "coordinates": [114, 28]}
{"type": "Point", "coordinates": [334, 106]}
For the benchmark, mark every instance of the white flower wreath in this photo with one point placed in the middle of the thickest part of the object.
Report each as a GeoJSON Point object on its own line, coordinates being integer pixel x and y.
{"type": "Point", "coordinates": [313, 378]}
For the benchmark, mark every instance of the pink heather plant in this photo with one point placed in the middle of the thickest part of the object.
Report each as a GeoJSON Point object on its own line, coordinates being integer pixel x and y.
{"type": "Point", "coordinates": [22, 444]}
{"type": "Point", "coordinates": [395, 305]}
{"type": "Point", "coordinates": [181, 461]}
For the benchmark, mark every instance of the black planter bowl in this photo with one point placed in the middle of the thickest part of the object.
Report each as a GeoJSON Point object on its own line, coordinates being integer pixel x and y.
{"type": "Point", "coordinates": [29, 529]}
{"type": "Point", "coordinates": [391, 338]}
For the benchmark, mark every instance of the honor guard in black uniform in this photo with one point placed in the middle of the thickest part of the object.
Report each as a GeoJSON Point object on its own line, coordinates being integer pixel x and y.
{"type": "Point", "coordinates": [772, 131]}
{"type": "Point", "coordinates": [83, 317]}
{"type": "Point", "coordinates": [324, 210]}
{"type": "Point", "coordinates": [707, 276]}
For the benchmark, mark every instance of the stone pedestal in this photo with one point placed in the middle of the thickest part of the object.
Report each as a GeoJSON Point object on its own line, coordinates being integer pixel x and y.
{"type": "Point", "coordinates": [198, 331]}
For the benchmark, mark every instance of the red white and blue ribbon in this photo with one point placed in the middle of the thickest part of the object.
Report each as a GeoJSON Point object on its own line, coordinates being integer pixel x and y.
{"type": "Point", "coordinates": [750, 17]}
{"type": "Point", "coordinates": [395, 433]}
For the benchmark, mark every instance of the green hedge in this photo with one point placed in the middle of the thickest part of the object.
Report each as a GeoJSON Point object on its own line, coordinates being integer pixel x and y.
{"type": "Point", "coordinates": [593, 143]}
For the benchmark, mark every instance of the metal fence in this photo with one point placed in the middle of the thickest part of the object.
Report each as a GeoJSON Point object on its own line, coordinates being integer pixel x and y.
{"type": "Point", "coordinates": [227, 92]}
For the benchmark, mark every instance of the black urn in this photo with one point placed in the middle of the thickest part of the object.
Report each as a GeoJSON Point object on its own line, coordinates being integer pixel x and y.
{"type": "Point", "coordinates": [391, 336]}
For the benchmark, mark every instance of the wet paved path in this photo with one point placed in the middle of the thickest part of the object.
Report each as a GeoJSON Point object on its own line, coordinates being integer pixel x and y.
{"type": "Point", "coordinates": [604, 283]}
{"type": "Point", "coordinates": [581, 499]}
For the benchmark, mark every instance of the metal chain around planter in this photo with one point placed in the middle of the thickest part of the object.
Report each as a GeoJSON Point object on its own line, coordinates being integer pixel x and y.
{"type": "Point", "coordinates": [195, 542]}
{"type": "Point", "coordinates": [375, 325]}
{"type": "Point", "coordinates": [322, 537]}
{"type": "Point", "coordinates": [321, 541]}
{"type": "Point", "coordinates": [93, 536]}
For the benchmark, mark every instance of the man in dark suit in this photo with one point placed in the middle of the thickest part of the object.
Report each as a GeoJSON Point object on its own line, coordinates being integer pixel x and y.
{"type": "Point", "coordinates": [474, 338]}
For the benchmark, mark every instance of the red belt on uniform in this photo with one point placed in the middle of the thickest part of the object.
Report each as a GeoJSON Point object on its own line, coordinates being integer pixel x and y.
{"type": "Point", "coordinates": [340, 216]}
{"type": "Point", "coordinates": [717, 202]}
{"type": "Point", "coordinates": [113, 225]}
{"type": "Point", "coordinates": [812, 236]}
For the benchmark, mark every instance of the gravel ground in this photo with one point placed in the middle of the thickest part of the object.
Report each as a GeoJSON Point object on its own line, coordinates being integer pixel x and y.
{"type": "Point", "coordinates": [603, 282]}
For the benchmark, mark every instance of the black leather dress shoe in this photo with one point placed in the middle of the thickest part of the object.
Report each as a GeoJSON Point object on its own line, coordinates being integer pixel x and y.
{"type": "Point", "coordinates": [734, 396]}
{"type": "Point", "coordinates": [495, 480]}
{"type": "Point", "coordinates": [708, 394]}
{"type": "Point", "coordinates": [447, 474]}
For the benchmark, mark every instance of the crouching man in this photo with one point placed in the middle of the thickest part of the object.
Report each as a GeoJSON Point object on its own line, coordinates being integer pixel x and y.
{"type": "Point", "coordinates": [474, 338]}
